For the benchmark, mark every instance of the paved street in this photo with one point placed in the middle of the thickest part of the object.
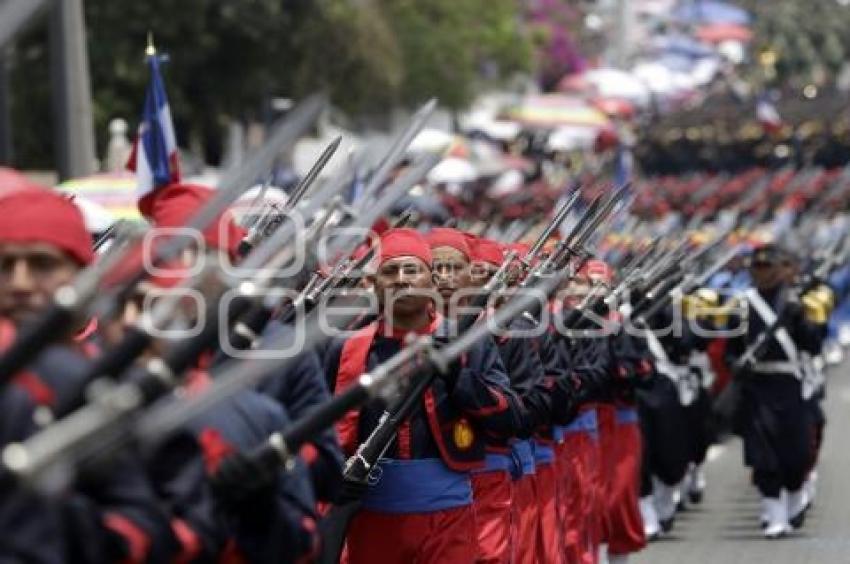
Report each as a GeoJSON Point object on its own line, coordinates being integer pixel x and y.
{"type": "Point", "coordinates": [724, 529]}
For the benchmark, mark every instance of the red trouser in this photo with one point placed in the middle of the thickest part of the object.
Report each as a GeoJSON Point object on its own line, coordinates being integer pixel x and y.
{"type": "Point", "coordinates": [549, 533]}
{"type": "Point", "coordinates": [525, 520]}
{"type": "Point", "coordinates": [441, 537]}
{"type": "Point", "coordinates": [621, 458]}
{"type": "Point", "coordinates": [492, 496]}
{"type": "Point", "coordinates": [579, 519]}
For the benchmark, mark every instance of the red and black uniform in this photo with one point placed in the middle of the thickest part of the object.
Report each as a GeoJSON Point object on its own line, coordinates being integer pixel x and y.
{"type": "Point", "coordinates": [107, 515]}
{"type": "Point", "coordinates": [275, 525]}
{"type": "Point", "coordinates": [505, 493]}
{"type": "Point", "coordinates": [578, 451]}
{"type": "Point", "coordinates": [621, 447]}
{"type": "Point", "coordinates": [300, 389]}
{"type": "Point", "coordinates": [423, 497]}
{"type": "Point", "coordinates": [602, 461]}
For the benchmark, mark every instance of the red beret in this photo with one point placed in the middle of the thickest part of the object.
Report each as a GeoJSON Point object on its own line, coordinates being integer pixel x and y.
{"type": "Point", "coordinates": [404, 242]}
{"type": "Point", "coordinates": [489, 251]}
{"type": "Point", "coordinates": [521, 249]}
{"type": "Point", "coordinates": [11, 180]}
{"type": "Point", "coordinates": [448, 237]}
{"type": "Point", "coordinates": [606, 139]}
{"type": "Point", "coordinates": [42, 216]}
{"type": "Point", "coordinates": [174, 205]}
{"type": "Point", "coordinates": [596, 271]}
{"type": "Point", "coordinates": [470, 238]}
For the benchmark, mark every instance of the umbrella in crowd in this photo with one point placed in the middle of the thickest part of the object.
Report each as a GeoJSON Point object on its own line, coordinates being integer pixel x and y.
{"type": "Point", "coordinates": [709, 12]}
{"type": "Point", "coordinates": [554, 110]}
{"type": "Point", "coordinates": [114, 191]}
{"type": "Point", "coordinates": [716, 33]}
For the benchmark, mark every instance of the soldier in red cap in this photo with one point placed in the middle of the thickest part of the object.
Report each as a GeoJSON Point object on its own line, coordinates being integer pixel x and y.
{"type": "Point", "coordinates": [612, 469]}
{"type": "Point", "coordinates": [509, 458]}
{"type": "Point", "coordinates": [423, 498]}
{"type": "Point", "coordinates": [113, 516]}
{"type": "Point", "coordinates": [222, 505]}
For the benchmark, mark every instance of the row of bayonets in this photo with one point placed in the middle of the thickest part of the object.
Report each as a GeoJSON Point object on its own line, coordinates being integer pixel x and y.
{"type": "Point", "coordinates": [142, 410]}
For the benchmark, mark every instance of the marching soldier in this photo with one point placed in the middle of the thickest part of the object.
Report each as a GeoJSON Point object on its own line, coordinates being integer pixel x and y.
{"type": "Point", "coordinates": [111, 516]}
{"type": "Point", "coordinates": [620, 442]}
{"type": "Point", "coordinates": [422, 498]}
{"type": "Point", "coordinates": [492, 484]}
{"type": "Point", "coordinates": [774, 417]}
{"type": "Point", "coordinates": [539, 385]}
{"type": "Point", "coordinates": [672, 417]}
{"type": "Point", "coordinates": [222, 505]}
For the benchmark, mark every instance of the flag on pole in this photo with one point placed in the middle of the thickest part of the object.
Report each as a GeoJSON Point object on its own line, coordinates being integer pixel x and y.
{"type": "Point", "coordinates": [767, 114]}
{"type": "Point", "coordinates": [154, 157]}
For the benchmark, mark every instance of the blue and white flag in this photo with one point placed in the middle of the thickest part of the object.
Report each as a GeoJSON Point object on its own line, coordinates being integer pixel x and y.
{"type": "Point", "coordinates": [154, 158]}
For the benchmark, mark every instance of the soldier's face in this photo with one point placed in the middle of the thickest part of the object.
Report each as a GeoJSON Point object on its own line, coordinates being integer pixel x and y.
{"type": "Point", "coordinates": [576, 290]}
{"type": "Point", "coordinates": [768, 275]}
{"type": "Point", "coordinates": [30, 273]}
{"type": "Point", "coordinates": [452, 271]}
{"type": "Point", "coordinates": [403, 285]}
{"type": "Point", "coordinates": [143, 299]}
{"type": "Point", "coordinates": [481, 273]}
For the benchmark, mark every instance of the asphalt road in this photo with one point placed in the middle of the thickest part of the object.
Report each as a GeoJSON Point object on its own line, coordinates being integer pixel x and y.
{"type": "Point", "coordinates": [724, 529]}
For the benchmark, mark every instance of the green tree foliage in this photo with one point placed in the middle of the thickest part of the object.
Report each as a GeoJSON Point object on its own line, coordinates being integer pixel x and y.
{"type": "Point", "coordinates": [228, 57]}
{"type": "Point", "coordinates": [448, 46]}
{"type": "Point", "coordinates": [809, 37]}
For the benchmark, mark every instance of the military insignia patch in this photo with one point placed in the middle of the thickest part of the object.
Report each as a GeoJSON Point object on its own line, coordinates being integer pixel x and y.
{"type": "Point", "coordinates": [463, 434]}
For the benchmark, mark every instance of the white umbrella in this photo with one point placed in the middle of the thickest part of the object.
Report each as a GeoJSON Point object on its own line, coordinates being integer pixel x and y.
{"type": "Point", "coordinates": [657, 77]}
{"type": "Point", "coordinates": [615, 83]}
{"type": "Point", "coordinates": [571, 138]}
{"type": "Point", "coordinates": [508, 183]}
{"type": "Point", "coordinates": [431, 141]}
{"type": "Point", "coordinates": [499, 130]}
{"type": "Point", "coordinates": [250, 203]}
{"type": "Point", "coordinates": [97, 217]}
{"type": "Point", "coordinates": [452, 170]}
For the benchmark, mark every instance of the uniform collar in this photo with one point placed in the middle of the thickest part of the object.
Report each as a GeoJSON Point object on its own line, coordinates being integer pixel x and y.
{"type": "Point", "coordinates": [399, 334]}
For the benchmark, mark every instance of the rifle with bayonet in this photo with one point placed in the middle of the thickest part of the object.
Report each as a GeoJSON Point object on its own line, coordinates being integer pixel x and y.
{"type": "Point", "coordinates": [273, 215]}
{"type": "Point", "coordinates": [109, 418]}
{"type": "Point", "coordinates": [74, 301]}
{"type": "Point", "coordinates": [247, 329]}
{"type": "Point", "coordinates": [360, 466]}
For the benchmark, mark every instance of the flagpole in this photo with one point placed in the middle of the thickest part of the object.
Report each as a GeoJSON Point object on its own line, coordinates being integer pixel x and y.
{"type": "Point", "coordinates": [150, 50]}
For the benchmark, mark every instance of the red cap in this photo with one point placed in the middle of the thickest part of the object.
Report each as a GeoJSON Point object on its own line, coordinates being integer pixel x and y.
{"type": "Point", "coordinates": [489, 251]}
{"type": "Point", "coordinates": [596, 271]}
{"type": "Point", "coordinates": [174, 205]}
{"type": "Point", "coordinates": [380, 226]}
{"type": "Point", "coordinates": [404, 242]}
{"type": "Point", "coordinates": [471, 240]}
{"type": "Point", "coordinates": [448, 237]}
{"type": "Point", "coordinates": [11, 181]}
{"type": "Point", "coordinates": [606, 139]}
{"type": "Point", "coordinates": [521, 249]}
{"type": "Point", "coordinates": [42, 216]}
